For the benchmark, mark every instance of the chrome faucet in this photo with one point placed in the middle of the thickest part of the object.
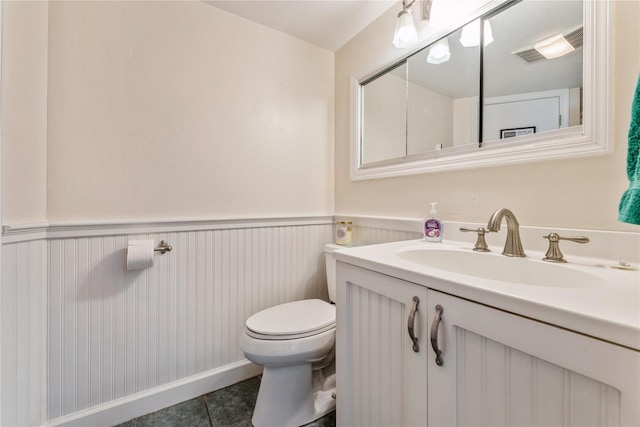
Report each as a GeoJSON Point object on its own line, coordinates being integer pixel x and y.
{"type": "Point", "coordinates": [513, 245]}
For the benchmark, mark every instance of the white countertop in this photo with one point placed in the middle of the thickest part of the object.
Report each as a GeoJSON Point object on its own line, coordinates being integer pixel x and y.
{"type": "Point", "coordinates": [610, 312]}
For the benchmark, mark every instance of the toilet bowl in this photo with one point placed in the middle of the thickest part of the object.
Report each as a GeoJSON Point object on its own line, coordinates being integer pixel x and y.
{"type": "Point", "coordinates": [294, 342]}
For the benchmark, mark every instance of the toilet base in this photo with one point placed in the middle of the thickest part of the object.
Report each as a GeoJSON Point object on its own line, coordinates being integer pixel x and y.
{"type": "Point", "coordinates": [291, 396]}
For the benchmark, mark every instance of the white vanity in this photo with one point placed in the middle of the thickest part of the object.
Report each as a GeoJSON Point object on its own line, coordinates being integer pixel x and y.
{"type": "Point", "coordinates": [553, 345]}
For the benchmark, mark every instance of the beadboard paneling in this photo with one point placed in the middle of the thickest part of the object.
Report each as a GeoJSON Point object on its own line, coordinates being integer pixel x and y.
{"type": "Point", "coordinates": [23, 311]}
{"type": "Point", "coordinates": [371, 230]}
{"type": "Point", "coordinates": [382, 349]}
{"type": "Point", "coordinates": [371, 235]}
{"type": "Point", "coordinates": [384, 378]}
{"type": "Point", "coordinates": [519, 389]}
{"type": "Point", "coordinates": [80, 331]}
{"type": "Point", "coordinates": [113, 332]}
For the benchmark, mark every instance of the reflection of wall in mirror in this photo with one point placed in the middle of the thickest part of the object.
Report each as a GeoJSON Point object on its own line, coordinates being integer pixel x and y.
{"type": "Point", "coordinates": [384, 129]}
{"type": "Point", "coordinates": [430, 120]}
{"type": "Point", "coordinates": [384, 119]}
{"type": "Point", "coordinates": [465, 120]}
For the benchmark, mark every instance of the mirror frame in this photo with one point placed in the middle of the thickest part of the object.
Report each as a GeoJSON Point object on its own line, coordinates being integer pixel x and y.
{"type": "Point", "coordinates": [594, 137]}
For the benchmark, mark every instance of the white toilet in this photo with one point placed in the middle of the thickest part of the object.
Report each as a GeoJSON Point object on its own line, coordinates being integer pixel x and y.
{"type": "Point", "coordinates": [294, 342]}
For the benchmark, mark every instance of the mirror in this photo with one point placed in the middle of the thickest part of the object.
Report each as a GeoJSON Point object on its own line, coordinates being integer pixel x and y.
{"type": "Point", "coordinates": [450, 104]}
{"type": "Point", "coordinates": [384, 119]}
{"type": "Point", "coordinates": [444, 91]}
{"type": "Point", "coordinates": [524, 92]}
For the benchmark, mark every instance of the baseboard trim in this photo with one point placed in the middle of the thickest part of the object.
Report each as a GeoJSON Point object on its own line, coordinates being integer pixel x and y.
{"type": "Point", "coordinates": [148, 401]}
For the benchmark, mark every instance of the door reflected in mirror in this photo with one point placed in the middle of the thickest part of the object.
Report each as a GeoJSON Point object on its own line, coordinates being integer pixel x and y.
{"type": "Point", "coordinates": [428, 105]}
{"type": "Point", "coordinates": [523, 89]}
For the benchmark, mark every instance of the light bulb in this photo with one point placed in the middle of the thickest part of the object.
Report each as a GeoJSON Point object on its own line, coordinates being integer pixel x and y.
{"type": "Point", "coordinates": [470, 36]}
{"type": "Point", "coordinates": [439, 52]}
{"type": "Point", "coordinates": [405, 34]}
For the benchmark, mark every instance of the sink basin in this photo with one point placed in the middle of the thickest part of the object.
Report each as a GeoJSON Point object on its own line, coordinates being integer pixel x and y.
{"type": "Point", "coordinates": [524, 271]}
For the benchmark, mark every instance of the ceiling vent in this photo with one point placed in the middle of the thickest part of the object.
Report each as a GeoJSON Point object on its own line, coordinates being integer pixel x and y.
{"type": "Point", "coordinates": [531, 55]}
{"type": "Point", "coordinates": [575, 38]}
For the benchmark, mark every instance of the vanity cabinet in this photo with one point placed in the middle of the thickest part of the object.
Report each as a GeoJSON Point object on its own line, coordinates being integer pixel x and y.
{"type": "Point", "coordinates": [497, 368]}
{"type": "Point", "coordinates": [501, 369]}
{"type": "Point", "coordinates": [382, 380]}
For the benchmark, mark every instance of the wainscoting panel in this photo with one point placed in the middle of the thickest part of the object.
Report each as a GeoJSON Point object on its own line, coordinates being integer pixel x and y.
{"type": "Point", "coordinates": [113, 332]}
{"type": "Point", "coordinates": [370, 230]}
{"type": "Point", "coordinates": [23, 312]}
{"type": "Point", "coordinates": [84, 339]}
{"type": "Point", "coordinates": [79, 331]}
{"type": "Point", "coordinates": [82, 336]}
{"type": "Point", "coordinates": [519, 389]}
{"type": "Point", "coordinates": [370, 235]}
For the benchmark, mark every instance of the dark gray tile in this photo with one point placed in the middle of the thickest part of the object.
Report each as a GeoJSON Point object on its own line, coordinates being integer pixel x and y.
{"type": "Point", "coordinates": [245, 423]}
{"type": "Point", "coordinates": [127, 424]}
{"type": "Point", "coordinates": [232, 405]}
{"type": "Point", "coordinates": [192, 413]}
{"type": "Point", "coordinates": [328, 420]}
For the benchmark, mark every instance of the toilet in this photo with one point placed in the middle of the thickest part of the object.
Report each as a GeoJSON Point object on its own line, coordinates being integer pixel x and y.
{"type": "Point", "coordinates": [294, 342]}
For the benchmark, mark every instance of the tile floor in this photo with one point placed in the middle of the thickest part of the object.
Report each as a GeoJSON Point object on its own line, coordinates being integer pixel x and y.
{"type": "Point", "coordinates": [231, 406]}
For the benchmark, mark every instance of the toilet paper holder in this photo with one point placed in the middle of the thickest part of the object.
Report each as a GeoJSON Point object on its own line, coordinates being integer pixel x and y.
{"type": "Point", "coordinates": [163, 247]}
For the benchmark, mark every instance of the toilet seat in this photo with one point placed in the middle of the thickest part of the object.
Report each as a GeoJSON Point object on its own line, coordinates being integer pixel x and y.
{"type": "Point", "coordinates": [292, 320]}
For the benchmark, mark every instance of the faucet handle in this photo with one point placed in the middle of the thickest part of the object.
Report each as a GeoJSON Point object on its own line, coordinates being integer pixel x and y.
{"type": "Point", "coordinates": [481, 243]}
{"type": "Point", "coordinates": [553, 253]}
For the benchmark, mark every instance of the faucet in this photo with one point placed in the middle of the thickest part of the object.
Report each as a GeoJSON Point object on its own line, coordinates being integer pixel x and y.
{"type": "Point", "coordinates": [513, 245]}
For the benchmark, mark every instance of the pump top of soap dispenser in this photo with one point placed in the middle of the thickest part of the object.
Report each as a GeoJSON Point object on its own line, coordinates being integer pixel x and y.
{"type": "Point", "coordinates": [433, 212]}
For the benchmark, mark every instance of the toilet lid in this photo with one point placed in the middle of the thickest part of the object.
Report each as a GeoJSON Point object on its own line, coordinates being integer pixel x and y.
{"type": "Point", "coordinates": [293, 320]}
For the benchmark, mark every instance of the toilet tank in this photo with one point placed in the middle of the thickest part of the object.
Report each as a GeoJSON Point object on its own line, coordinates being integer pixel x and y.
{"type": "Point", "coordinates": [330, 264]}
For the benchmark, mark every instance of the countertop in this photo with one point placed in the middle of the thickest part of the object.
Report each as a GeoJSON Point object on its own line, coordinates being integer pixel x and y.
{"type": "Point", "coordinates": [610, 313]}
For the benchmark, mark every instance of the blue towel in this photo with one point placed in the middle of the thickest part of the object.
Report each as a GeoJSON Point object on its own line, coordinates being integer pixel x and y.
{"type": "Point", "coordinates": [629, 209]}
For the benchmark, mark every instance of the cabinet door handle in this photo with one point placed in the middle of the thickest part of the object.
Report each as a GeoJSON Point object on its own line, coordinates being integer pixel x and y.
{"type": "Point", "coordinates": [411, 324]}
{"type": "Point", "coordinates": [434, 335]}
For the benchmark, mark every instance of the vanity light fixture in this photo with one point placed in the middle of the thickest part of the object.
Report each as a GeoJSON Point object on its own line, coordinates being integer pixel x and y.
{"type": "Point", "coordinates": [439, 52]}
{"type": "Point", "coordinates": [470, 36]}
{"type": "Point", "coordinates": [554, 47]}
{"type": "Point", "coordinates": [406, 33]}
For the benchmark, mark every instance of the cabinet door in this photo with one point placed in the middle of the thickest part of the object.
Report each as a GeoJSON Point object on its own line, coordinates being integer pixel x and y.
{"type": "Point", "coordinates": [381, 379]}
{"type": "Point", "coordinates": [503, 369]}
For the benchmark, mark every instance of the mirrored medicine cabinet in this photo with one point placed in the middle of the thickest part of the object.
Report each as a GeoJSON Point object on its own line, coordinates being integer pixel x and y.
{"type": "Point", "coordinates": [515, 81]}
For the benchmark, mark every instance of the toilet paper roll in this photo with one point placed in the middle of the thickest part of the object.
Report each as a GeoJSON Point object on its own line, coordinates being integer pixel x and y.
{"type": "Point", "coordinates": [140, 254]}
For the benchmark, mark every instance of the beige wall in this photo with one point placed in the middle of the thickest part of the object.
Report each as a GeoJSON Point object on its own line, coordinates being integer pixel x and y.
{"type": "Point", "coordinates": [165, 110]}
{"type": "Point", "coordinates": [24, 111]}
{"type": "Point", "coordinates": [155, 113]}
{"type": "Point", "coordinates": [577, 193]}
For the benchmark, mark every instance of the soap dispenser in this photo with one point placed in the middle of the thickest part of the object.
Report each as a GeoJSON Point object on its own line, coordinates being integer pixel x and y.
{"type": "Point", "coordinates": [433, 226]}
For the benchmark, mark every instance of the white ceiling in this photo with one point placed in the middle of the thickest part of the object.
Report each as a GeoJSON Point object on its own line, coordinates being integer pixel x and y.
{"type": "Point", "coordinates": [326, 23]}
